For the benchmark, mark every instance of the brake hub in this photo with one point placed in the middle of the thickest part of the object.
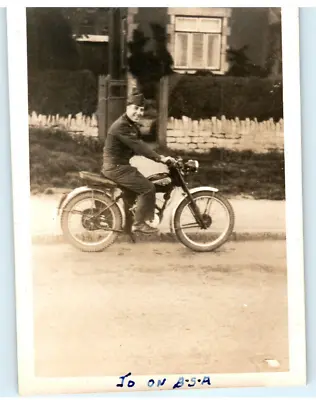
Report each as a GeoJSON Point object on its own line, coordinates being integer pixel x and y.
{"type": "Point", "coordinates": [207, 219]}
{"type": "Point", "coordinates": [91, 222]}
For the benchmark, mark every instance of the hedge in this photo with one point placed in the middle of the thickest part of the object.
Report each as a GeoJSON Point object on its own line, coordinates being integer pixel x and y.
{"type": "Point", "coordinates": [199, 97]}
{"type": "Point", "coordinates": [63, 92]}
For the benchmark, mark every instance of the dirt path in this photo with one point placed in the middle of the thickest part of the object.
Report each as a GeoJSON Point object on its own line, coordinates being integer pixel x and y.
{"type": "Point", "coordinates": [160, 309]}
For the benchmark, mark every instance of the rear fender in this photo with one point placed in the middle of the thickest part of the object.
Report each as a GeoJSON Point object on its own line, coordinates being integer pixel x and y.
{"type": "Point", "coordinates": [67, 197]}
{"type": "Point", "coordinates": [192, 191]}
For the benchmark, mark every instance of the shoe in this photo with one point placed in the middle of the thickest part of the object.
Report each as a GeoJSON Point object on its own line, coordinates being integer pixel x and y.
{"type": "Point", "coordinates": [144, 228]}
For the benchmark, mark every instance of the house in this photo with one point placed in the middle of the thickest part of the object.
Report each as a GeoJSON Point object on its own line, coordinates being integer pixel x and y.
{"type": "Point", "coordinates": [89, 27]}
{"type": "Point", "coordinates": [198, 38]}
{"type": "Point", "coordinates": [87, 20]}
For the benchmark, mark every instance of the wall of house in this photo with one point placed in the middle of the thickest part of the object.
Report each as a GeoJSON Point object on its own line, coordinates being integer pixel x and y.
{"type": "Point", "coordinates": [148, 15]}
{"type": "Point", "coordinates": [250, 26]}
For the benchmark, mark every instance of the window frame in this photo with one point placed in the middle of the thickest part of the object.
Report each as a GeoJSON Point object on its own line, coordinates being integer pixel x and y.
{"type": "Point", "coordinates": [189, 33]}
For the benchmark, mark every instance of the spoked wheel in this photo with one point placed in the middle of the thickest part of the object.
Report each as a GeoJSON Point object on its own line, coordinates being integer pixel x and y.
{"type": "Point", "coordinates": [217, 214]}
{"type": "Point", "coordinates": [91, 223]}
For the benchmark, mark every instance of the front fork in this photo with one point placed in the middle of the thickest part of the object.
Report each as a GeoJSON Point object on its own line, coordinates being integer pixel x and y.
{"type": "Point", "coordinates": [192, 206]}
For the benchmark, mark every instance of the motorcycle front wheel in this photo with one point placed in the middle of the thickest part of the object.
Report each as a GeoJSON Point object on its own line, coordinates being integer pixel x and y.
{"type": "Point", "coordinates": [214, 234]}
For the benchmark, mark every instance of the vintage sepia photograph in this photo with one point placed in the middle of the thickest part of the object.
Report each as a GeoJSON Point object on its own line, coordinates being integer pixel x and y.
{"type": "Point", "coordinates": [157, 198]}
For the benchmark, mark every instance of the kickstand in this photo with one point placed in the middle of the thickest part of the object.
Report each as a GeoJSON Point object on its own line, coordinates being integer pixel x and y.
{"type": "Point", "coordinates": [129, 223]}
{"type": "Point", "coordinates": [132, 237]}
{"type": "Point", "coordinates": [130, 233]}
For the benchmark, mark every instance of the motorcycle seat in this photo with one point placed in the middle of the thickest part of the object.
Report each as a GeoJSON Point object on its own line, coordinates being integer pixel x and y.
{"type": "Point", "coordinates": [97, 178]}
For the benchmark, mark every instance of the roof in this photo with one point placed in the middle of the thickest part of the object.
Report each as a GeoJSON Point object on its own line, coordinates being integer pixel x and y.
{"type": "Point", "coordinates": [92, 38]}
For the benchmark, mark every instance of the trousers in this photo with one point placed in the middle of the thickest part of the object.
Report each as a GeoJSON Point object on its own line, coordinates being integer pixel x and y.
{"type": "Point", "coordinates": [135, 187]}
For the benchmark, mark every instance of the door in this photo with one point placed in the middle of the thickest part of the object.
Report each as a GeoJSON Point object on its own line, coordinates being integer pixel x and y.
{"type": "Point", "coordinates": [112, 95]}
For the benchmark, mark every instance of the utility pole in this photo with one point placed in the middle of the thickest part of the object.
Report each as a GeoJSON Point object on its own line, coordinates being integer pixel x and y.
{"type": "Point", "coordinates": [114, 42]}
{"type": "Point", "coordinates": [115, 99]}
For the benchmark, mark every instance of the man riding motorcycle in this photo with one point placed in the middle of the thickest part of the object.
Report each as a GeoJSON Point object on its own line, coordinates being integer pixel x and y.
{"type": "Point", "coordinates": [123, 141]}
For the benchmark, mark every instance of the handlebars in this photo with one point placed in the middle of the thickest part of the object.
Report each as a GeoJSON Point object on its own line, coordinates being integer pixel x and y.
{"type": "Point", "coordinates": [188, 166]}
{"type": "Point", "coordinates": [178, 162]}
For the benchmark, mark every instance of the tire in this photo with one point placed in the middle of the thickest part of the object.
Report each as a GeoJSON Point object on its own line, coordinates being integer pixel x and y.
{"type": "Point", "coordinates": [116, 213]}
{"type": "Point", "coordinates": [194, 246]}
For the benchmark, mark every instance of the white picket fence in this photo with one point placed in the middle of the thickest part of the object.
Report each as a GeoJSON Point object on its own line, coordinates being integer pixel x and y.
{"type": "Point", "coordinates": [89, 125]}
{"type": "Point", "coordinates": [225, 126]}
{"type": "Point", "coordinates": [185, 133]}
{"type": "Point", "coordinates": [80, 124]}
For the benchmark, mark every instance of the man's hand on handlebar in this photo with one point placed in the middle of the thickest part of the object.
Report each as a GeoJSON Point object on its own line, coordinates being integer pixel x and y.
{"type": "Point", "coordinates": [167, 160]}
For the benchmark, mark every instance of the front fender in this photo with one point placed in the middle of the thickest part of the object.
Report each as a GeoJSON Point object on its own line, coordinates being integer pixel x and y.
{"type": "Point", "coordinates": [192, 191]}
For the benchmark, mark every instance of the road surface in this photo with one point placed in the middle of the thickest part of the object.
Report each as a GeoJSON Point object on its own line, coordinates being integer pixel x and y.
{"type": "Point", "coordinates": [160, 309]}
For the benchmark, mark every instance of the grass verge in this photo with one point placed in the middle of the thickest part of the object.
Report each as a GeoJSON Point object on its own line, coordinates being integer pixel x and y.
{"type": "Point", "coordinates": [56, 158]}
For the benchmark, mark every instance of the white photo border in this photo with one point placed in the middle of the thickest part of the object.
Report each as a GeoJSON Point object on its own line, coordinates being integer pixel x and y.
{"type": "Point", "coordinates": [29, 384]}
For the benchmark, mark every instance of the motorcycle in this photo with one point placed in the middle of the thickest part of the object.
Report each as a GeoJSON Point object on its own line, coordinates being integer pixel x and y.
{"type": "Point", "coordinates": [110, 214]}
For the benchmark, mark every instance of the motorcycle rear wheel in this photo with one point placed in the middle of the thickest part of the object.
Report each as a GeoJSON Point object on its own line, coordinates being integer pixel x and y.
{"type": "Point", "coordinates": [116, 225]}
{"type": "Point", "coordinates": [194, 245]}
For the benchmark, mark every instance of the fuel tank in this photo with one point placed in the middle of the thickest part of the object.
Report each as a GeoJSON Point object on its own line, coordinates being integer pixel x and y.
{"type": "Point", "coordinates": [162, 181]}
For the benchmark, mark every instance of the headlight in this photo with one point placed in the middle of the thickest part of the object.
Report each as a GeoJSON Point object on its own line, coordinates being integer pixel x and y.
{"type": "Point", "coordinates": [192, 165]}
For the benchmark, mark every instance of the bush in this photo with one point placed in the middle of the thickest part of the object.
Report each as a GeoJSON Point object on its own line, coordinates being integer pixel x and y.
{"type": "Point", "coordinates": [200, 97]}
{"type": "Point", "coordinates": [63, 92]}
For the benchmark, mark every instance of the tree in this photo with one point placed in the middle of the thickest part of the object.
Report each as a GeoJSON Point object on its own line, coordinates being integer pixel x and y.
{"type": "Point", "coordinates": [240, 64]}
{"type": "Point", "coordinates": [49, 40]}
{"type": "Point", "coordinates": [149, 66]}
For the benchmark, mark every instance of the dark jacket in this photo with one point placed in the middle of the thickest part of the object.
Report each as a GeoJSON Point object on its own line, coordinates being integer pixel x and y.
{"type": "Point", "coordinates": [123, 141]}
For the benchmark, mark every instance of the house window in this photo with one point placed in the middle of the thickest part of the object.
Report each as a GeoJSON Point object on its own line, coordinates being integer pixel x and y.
{"type": "Point", "coordinates": [198, 43]}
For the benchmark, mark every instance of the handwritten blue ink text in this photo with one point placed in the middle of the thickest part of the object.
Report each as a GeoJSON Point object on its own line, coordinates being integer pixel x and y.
{"type": "Point", "coordinates": [161, 382]}
{"type": "Point", "coordinates": [191, 382]}
{"type": "Point", "coordinates": [130, 383]}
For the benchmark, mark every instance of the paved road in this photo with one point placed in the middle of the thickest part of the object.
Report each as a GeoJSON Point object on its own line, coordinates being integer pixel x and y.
{"type": "Point", "coordinates": [159, 308]}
